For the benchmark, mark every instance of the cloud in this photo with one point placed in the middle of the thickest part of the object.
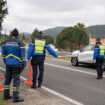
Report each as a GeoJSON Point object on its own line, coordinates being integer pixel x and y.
{"type": "Point", "coordinates": [26, 15]}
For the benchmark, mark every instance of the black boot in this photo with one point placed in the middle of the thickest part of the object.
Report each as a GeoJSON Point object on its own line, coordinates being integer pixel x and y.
{"type": "Point", "coordinates": [39, 85]}
{"type": "Point", "coordinates": [99, 78]}
{"type": "Point", "coordinates": [18, 100]}
{"type": "Point", "coordinates": [34, 86]}
{"type": "Point", "coordinates": [6, 98]}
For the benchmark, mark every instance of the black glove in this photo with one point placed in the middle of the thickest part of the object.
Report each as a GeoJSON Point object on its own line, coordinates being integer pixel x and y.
{"type": "Point", "coordinates": [21, 68]}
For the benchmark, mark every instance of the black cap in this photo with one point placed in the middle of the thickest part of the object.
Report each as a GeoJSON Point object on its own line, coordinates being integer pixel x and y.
{"type": "Point", "coordinates": [40, 32]}
{"type": "Point", "coordinates": [15, 32]}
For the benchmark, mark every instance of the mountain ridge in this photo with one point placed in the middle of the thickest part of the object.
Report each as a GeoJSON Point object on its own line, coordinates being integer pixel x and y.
{"type": "Point", "coordinates": [94, 31]}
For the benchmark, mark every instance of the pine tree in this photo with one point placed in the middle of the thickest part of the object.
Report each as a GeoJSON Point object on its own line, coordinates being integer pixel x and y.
{"type": "Point", "coordinates": [35, 32]}
{"type": "Point", "coordinates": [23, 37]}
{"type": "Point", "coordinates": [72, 38]}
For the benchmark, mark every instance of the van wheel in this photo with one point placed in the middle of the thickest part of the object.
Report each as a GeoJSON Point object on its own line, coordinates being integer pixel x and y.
{"type": "Point", "coordinates": [74, 61]}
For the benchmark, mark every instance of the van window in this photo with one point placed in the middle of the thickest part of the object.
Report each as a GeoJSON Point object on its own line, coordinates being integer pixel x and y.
{"type": "Point", "coordinates": [88, 48]}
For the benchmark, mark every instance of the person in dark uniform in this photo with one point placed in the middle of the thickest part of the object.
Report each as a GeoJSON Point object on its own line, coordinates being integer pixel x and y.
{"type": "Point", "coordinates": [99, 55]}
{"type": "Point", "coordinates": [36, 50]}
{"type": "Point", "coordinates": [14, 56]}
{"type": "Point", "coordinates": [98, 43]}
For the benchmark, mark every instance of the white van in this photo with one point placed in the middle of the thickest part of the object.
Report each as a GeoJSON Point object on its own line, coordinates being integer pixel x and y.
{"type": "Point", "coordinates": [85, 55]}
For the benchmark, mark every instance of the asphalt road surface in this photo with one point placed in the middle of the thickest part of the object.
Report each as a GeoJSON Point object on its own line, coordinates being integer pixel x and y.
{"type": "Point", "coordinates": [78, 83]}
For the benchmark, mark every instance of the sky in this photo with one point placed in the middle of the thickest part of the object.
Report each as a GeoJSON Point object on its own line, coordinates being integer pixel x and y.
{"type": "Point", "coordinates": [26, 15]}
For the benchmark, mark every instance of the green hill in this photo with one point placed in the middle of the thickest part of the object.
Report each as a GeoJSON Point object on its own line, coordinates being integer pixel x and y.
{"type": "Point", "coordinates": [53, 31]}
{"type": "Point", "coordinates": [97, 31]}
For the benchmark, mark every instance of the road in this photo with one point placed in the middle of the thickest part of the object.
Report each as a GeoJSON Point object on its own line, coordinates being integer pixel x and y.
{"type": "Point", "coordinates": [78, 83]}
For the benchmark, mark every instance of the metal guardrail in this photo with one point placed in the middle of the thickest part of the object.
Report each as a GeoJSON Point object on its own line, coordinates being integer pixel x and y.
{"type": "Point", "coordinates": [63, 53]}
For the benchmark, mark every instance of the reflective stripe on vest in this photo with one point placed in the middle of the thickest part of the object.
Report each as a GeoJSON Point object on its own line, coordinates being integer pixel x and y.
{"type": "Point", "coordinates": [13, 56]}
{"type": "Point", "coordinates": [102, 50]}
{"type": "Point", "coordinates": [39, 46]}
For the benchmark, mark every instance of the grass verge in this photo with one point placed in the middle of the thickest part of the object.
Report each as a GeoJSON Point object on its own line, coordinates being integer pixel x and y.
{"type": "Point", "coordinates": [1, 99]}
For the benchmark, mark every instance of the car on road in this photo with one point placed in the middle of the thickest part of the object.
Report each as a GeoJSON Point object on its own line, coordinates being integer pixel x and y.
{"type": "Point", "coordinates": [83, 56]}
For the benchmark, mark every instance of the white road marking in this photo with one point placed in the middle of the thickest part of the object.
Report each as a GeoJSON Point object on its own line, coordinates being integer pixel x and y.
{"type": "Point", "coordinates": [62, 96]}
{"type": "Point", "coordinates": [53, 92]}
{"type": "Point", "coordinates": [1, 68]}
{"type": "Point", "coordinates": [71, 69]}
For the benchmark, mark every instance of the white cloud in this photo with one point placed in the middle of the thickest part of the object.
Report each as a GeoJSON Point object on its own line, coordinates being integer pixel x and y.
{"type": "Point", "coordinates": [26, 15]}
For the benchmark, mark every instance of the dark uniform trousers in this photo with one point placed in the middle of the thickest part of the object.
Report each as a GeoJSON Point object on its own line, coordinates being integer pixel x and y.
{"type": "Point", "coordinates": [12, 72]}
{"type": "Point", "coordinates": [38, 61]}
{"type": "Point", "coordinates": [99, 63]}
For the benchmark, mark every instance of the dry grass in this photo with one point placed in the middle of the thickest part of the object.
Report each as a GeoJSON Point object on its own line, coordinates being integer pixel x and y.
{"type": "Point", "coordinates": [1, 98]}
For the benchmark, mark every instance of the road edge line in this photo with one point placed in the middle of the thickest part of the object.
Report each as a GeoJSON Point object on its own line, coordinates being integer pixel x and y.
{"type": "Point", "coordinates": [70, 69]}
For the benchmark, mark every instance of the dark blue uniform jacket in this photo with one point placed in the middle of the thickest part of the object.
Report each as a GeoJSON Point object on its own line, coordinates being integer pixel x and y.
{"type": "Point", "coordinates": [14, 52]}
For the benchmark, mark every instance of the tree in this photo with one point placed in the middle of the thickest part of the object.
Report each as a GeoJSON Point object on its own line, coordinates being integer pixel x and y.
{"type": "Point", "coordinates": [49, 39]}
{"type": "Point", "coordinates": [3, 12]}
{"type": "Point", "coordinates": [81, 26]}
{"type": "Point", "coordinates": [23, 37]}
{"type": "Point", "coordinates": [72, 38]}
{"type": "Point", "coordinates": [35, 32]}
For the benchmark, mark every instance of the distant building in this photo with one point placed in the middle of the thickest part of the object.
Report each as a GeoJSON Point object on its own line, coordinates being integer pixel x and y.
{"type": "Point", "coordinates": [93, 40]}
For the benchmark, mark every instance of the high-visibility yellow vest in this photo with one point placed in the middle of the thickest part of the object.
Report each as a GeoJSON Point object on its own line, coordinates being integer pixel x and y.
{"type": "Point", "coordinates": [98, 44]}
{"type": "Point", "coordinates": [102, 49]}
{"type": "Point", "coordinates": [39, 46]}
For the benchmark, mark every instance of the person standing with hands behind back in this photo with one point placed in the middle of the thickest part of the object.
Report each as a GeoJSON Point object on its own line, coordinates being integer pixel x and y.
{"type": "Point", "coordinates": [99, 56]}
{"type": "Point", "coordinates": [36, 50]}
